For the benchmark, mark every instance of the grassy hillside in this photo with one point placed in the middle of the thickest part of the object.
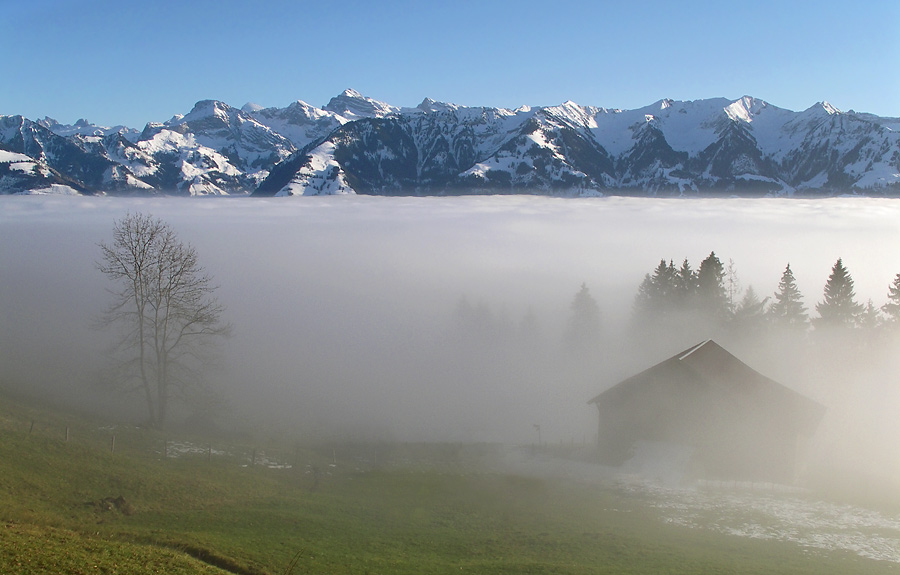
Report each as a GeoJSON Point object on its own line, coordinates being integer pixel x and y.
{"type": "Point", "coordinates": [84, 505]}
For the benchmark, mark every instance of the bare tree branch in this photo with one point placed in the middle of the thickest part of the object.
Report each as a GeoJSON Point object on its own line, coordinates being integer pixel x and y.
{"type": "Point", "coordinates": [166, 304]}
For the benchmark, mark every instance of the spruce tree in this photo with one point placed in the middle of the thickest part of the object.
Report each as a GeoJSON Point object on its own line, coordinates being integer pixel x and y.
{"type": "Point", "coordinates": [749, 314]}
{"type": "Point", "coordinates": [685, 285]}
{"type": "Point", "coordinates": [711, 295]}
{"type": "Point", "coordinates": [656, 293]}
{"type": "Point", "coordinates": [892, 308]}
{"type": "Point", "coordinates": [644, 299]}
{"type": "Point", "coordinates": [664, 283]}
{"type": "Point", "coordinates": [869, 317]}
{"type": "Point", "coordinates": [583, 332]}
{"type": "Point", "coordinates": [788, 310]}
{"type": "Point", "coordinates": [839, 308]}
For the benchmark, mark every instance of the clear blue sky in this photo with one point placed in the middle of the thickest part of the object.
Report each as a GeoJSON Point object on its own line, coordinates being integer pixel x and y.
{"type": "Point", "coordinates": [133, 61]}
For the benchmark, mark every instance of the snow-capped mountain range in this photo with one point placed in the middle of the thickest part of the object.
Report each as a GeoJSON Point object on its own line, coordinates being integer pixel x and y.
{"type": "Point", "coordinates": [356, 144]}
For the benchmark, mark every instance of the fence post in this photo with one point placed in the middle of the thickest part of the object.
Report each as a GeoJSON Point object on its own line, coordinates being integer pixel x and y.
{"type": "Point", "coordinates": [112, 445]}
{"type": "Point", "coordinates": [67, 434]}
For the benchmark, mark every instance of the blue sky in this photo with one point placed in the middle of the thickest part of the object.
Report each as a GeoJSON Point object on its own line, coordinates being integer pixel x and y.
{"type": "Point", "coordinates": [129, 62]}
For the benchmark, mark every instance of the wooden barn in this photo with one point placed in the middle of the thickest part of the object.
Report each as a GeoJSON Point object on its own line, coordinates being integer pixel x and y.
{"type": "Point", "coordinates": [732, 422]}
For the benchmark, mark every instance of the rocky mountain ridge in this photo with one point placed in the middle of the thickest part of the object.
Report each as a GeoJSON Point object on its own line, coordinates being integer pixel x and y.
{"type": "Point", "coordinates": [356, 144]}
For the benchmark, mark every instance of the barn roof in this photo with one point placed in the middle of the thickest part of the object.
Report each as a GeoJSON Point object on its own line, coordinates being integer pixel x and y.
{"type": "Point", "coordinates": [707, 369]}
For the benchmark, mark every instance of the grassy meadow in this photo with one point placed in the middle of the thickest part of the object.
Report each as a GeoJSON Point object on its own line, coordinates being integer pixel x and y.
{"type": "Point", "coordinates": [83, 504]}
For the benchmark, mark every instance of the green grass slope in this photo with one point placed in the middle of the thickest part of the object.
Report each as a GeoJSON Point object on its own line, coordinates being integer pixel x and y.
{"type": "Point", "coordinates": [80, 506]}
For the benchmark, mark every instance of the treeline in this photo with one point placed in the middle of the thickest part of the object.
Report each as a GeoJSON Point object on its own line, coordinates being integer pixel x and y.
{"type": "Point", "coordinates": [712, 293]}
{"type": "Point", "coordinates": [678, 303]}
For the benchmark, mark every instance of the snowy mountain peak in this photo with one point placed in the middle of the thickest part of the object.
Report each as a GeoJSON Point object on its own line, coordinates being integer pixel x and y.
{"type": "Point", "coordinates": [300, 122]}
{"type": "Point", "coordinates": [352, 105]}
{"type": "Point", "coordinates": [579, 110]}
{"type": "Point", "coordinates": [251, 107]}
{"type": "Point", "coordinates": [352, 94]}
{"type": "Point", "coordinates": [821, 110]}
{"type": "Point", "coordinates": [429, 105]}
{"type": "Point", "coordinates": [831, 110]}
{"type": "Point", "coordinates": [745, 109]}
{"type": "Point", "coordinates": [205, 108]}
{"type": "Point", "coordinates": [307, 110]}
{"type": "Point", "coordinates": [83, 128]}
{"type": "Point", "coordinates": [576, 113]}
{"type": "Point", "coordinates": [716, 145]}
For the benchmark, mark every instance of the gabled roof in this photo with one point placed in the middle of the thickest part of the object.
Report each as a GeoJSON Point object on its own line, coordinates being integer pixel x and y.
{"type": "Point", "coordinates": [707, 369]}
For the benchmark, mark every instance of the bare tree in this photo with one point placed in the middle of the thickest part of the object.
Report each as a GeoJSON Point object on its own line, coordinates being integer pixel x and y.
{"type": "Point", "coordinates": [165, 303]}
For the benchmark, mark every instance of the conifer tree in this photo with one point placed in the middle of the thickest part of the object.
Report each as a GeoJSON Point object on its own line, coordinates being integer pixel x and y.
{"type": "Point", "coordinates": [685, 285]}
{"type": "Point", "coordinates": [583, 331]}
{"type": "Point", "coordinates": [839, 308]}
{"type": "Point", "coordinates": [711, 295]}
{"type": "Point", "coordinates": [892, 308]}
{"type": "Point", "coordinates": [750, 304]}
{"type": "Point", "coordinates": [656, 293]}
{"type": "Point", "coordinates": [869, 317]}
{"type": "Point", "coordinates": [645, 299]}
{"type": "Point", "coordinates": [788, 310]}
{"type": "Point", "coordinates": [664, 282]}
{"type": "Point", "coordinates": [749, 313]}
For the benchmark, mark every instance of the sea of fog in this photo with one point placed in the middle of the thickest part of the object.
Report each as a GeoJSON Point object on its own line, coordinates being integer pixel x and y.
{"type": "Point", "coordinates": [346, 309]}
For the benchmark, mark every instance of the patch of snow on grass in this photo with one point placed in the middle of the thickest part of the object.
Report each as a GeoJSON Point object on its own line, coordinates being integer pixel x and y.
{"type": "Point", "coordinates": [176, 449]}
{"type": "Point", "coordinates": [769, 514]}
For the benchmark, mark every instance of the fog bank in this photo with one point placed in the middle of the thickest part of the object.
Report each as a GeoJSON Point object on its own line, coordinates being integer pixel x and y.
{"type": "Point", "coordinates": [347, 309]}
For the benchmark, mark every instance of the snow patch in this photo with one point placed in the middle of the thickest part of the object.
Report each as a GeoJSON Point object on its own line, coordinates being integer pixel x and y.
{"type": "Point", "coordinates": [777, 514]}
{"type": "Point", "coordinates": [52, 190]}
{"type": "Point", "coordinates": [9, 157]}
{"type": "Point", "coordinates": [24, 167]}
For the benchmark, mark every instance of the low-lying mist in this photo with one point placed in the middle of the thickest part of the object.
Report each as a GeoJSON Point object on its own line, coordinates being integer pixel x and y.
{"type": "Point", "coordinates": [443, 319]}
